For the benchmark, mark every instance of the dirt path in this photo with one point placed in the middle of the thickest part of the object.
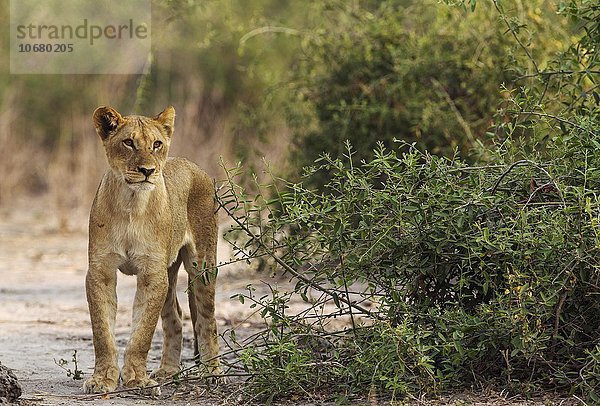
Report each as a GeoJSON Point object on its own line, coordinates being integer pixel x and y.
{"type": "Point", "coordinates": [44, 315]}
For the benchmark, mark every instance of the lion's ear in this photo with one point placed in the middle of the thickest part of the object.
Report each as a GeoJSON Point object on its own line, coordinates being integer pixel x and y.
{"type": "Point", "coordinates": [106, 120]}
{"type": "Point", "coordinates": [167, 119]}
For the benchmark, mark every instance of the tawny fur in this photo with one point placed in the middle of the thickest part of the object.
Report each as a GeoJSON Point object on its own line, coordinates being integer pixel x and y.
{"type": "Point", "coordinates": [151, 213]}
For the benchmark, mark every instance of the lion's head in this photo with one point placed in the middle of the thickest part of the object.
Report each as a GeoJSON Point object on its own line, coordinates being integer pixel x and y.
{"type": "Point", "coordinates": [136, 146]}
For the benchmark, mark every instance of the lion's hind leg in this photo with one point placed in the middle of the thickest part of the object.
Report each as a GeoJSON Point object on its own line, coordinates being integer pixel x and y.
{"type": "Point", "coordinates": [202, 274]}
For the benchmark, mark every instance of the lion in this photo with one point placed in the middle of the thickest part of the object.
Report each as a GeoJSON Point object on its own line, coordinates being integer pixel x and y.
{"type": "Point", "coordinates": [150, 214]}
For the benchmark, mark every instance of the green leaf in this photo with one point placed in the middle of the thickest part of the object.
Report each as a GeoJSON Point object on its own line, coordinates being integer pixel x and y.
{"type": "Point", "coordinates": [336, 299]}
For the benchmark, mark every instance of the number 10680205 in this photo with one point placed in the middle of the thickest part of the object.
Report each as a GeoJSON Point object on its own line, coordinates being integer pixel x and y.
{"type": "Point", "coordinates": [45, 47]}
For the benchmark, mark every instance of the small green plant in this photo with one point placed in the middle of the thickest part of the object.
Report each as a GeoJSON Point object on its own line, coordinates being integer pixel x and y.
{"type": "Point", "coordinates": [76, 373]}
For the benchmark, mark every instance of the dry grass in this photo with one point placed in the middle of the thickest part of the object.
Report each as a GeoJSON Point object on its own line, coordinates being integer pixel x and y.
{"type": "Point", "coordinates": [66, 173]}
{"type": "Point", "coordinates": [17, 169]}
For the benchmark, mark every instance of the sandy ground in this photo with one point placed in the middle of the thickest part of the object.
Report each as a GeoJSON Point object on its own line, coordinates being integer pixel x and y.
{"type": "Point", "coordinates": [44, 318]}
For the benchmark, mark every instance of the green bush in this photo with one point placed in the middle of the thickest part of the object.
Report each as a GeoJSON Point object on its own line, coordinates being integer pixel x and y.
{"type": "Point", "coordinates": [446, 273]}
{"type": "Point", "coordinates": [412, 70]}
{"type": "Point", "coordinates": [465, 264]}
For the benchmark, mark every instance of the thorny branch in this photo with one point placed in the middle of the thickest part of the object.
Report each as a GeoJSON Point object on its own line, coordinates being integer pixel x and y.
{"type": "Point", "coordinates": [258, 240]}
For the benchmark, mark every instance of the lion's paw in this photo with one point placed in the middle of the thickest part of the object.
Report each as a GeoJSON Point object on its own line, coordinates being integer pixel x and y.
{"type": "Point", "coordinates": [164, 373]}
{"type": "Point", "coordinates": [100, 384]}
{"type": "Point", "coordinates": [144, 383]}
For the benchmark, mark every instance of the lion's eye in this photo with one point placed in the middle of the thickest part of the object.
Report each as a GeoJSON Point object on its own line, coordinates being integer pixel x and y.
{"type": "Point", "coordinates": [128, 142]}
{"type": "Point", "coordinates": [157, 144]}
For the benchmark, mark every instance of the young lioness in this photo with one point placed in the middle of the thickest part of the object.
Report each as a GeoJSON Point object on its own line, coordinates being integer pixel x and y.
{"type": "Point", "coordinates": [150, 214]}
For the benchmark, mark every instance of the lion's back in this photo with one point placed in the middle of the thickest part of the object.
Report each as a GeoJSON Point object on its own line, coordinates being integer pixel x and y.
{"type": "Point", "coordinates": [190, 188]}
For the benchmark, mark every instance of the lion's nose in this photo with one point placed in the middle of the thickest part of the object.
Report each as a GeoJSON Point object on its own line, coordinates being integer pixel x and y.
{"type": "Point", "coordinates": [146, 171]}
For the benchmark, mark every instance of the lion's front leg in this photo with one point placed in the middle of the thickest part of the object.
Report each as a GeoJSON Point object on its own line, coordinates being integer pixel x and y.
{"type": "Point", "coordinates": [100, 286]}
{"type": "Point", "coordinates": [152, 285]}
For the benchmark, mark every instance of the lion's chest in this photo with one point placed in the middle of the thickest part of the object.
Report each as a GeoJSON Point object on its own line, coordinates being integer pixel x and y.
{"type": "Point", "coordinates": [143, 230]}
{"type": "Point", "coordinates": [134, 238]}
{"type": "Point", "coordinates": [137, 242]}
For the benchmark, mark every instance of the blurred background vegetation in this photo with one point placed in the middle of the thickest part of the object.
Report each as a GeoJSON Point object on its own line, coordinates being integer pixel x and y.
{"type": "Point", "coordinates": [199, 65]}
{"type": "Point", "coordinates": [280, 79]}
